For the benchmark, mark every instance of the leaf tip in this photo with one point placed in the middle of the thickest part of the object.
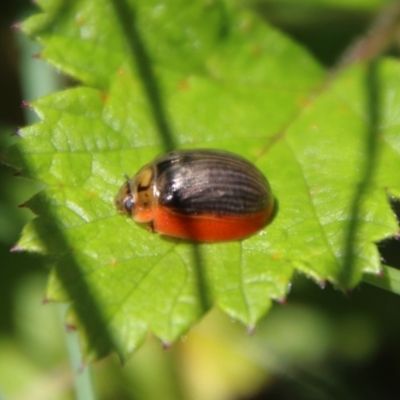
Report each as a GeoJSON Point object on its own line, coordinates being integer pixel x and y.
{"type": "Point", "coordinates": [321, 283]}
{"type": "Point", "coordinates": [16, 25]}
{"type": "Point", "coordinates": [166, 346]}
{"type": "Point", "coordinates": [15, 249]}
{"type": "Point", "coordinates": [17, 133]}
{"type": "Point", "coordinates": [251, 330]}
{"type": "Point", "coordinates": [282, 300]}
{"type": "Point", "coordinates": [347, 293]}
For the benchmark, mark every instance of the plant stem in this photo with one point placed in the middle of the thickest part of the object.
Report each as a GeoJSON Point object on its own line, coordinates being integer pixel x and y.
{"type": "Point", "coordinates": [390, 279]}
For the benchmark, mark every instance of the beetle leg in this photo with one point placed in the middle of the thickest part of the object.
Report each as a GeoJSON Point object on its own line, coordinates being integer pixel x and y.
{"type": "Point", "coordinates": [150, 226]}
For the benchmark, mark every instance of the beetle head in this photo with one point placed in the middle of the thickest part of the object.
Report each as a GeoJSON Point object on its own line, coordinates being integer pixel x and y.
{"type": "Point", "coordinates": [124, 201]}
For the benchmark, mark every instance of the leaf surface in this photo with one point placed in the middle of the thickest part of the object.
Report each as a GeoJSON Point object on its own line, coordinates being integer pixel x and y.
{"type": "Point", "coordinates": [156, 75]}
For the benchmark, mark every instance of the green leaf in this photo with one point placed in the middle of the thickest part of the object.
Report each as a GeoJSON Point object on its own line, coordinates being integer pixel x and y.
{"type": "Point", "coordinates": [155, 75]}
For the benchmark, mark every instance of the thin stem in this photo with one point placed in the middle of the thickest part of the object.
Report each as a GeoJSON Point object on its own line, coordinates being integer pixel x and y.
{"type": "Point", "coordinates": [389, 280]}
{"type": "Point", "coordinates": [82, 373]}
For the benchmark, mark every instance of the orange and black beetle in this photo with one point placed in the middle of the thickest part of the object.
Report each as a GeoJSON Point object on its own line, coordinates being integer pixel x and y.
{"type": "Point", "coordinates": [201, 195]}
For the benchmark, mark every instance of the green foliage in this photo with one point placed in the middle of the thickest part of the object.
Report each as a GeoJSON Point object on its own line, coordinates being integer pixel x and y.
{"type": "Point", "coordinates": [157, 75]}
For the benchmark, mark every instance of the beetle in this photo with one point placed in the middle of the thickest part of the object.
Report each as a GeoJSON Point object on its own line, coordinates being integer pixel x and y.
{"type": "Point", "coordinates": [202, 195]}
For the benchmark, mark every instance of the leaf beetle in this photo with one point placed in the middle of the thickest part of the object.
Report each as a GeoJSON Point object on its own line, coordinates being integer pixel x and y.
{"type": "Point", "coordinates": [201, 195]}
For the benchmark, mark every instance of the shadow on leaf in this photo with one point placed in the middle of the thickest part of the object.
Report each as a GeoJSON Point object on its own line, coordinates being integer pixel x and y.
{"type": "Point", "coordinates": [371, 154]}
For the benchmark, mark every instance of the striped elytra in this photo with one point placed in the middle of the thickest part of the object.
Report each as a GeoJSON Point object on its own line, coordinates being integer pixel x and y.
{"type": "Point", "coordinates": [200, 195]}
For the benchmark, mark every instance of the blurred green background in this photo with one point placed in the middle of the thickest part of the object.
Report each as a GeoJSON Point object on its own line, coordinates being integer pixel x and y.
{"type": "Point", "coordinates": [321, 344]}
